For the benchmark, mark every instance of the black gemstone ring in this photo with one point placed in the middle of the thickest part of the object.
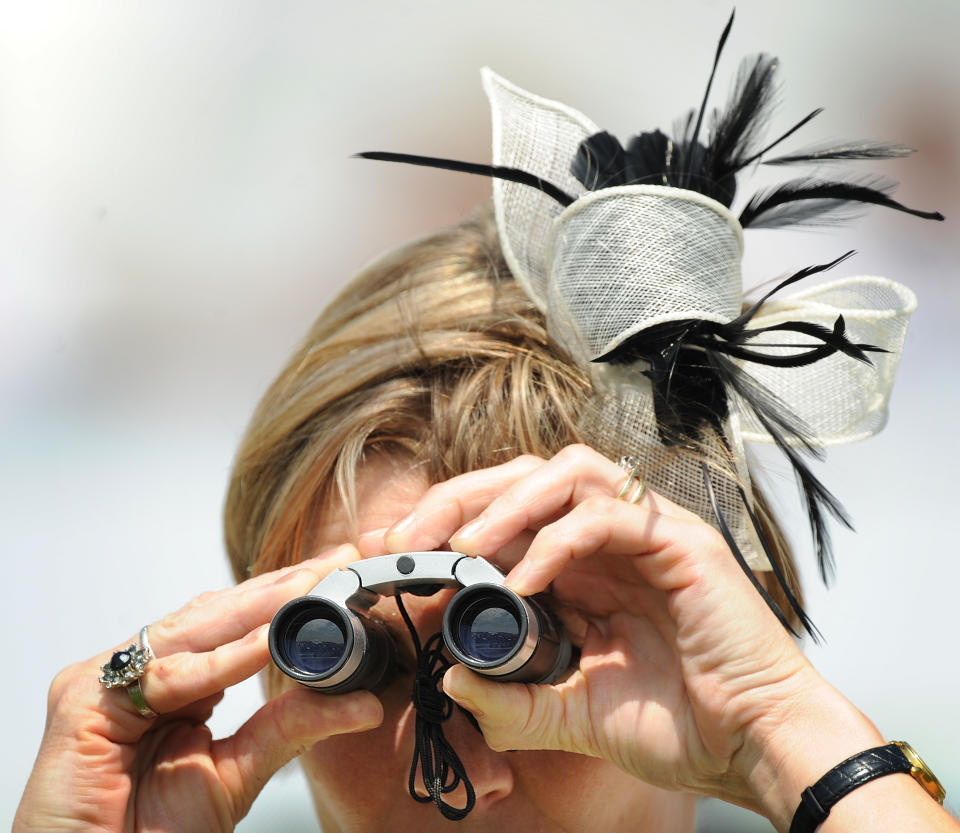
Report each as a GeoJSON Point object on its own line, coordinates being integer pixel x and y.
{"type": "Point", "coordinates": [127, 666]}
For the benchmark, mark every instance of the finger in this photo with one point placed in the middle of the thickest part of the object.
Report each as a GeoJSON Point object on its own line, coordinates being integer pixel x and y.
{"type": "Point", "coordinates": [570, 477]}
{"type": "Point", "coordinates": [201, 710]}
{"type": "Point", "coordinates": [668, 551]}
{"type": "Point", "coordinates": [512, 553]}
{"type": "Point", "coordinates": [449, 505]}
{"type": "Point", "coordinates": [371, 543]}
{"type": "Point", "coordinates": [223, 616]}
{"type": "Point", "coordinates": [174, 682]}
{"type": "Point", "coordinates": [517, 715]}
{"type": "Point", "coordinates": [284, 728]}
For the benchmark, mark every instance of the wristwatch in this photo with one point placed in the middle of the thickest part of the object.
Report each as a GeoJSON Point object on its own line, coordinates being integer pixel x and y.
{"type": "Point", "coordinates": [921, 772]}
{"type": "Point", "coordinates": [897, 756]}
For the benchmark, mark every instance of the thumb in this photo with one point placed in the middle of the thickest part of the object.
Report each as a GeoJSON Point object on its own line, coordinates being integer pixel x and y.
{"type": "Point", "coordinates": [287, 726]}
{"type": "Point", "coordinates": [514, 715]}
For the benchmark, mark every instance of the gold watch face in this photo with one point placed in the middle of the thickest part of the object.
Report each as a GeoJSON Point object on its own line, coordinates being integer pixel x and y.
{"type": "Point", "coordinates": [921, 772]}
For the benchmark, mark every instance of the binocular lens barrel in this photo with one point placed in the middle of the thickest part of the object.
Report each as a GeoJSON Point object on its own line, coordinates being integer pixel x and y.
{"type": "Point", "coordinates": [331, 648]}
{"type": "Point", "coordinates": [500, 634]}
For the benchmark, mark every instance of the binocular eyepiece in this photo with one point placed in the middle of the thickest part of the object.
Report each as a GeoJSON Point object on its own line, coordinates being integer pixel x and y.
{"type": "Point", "coordinates": [324, 640]}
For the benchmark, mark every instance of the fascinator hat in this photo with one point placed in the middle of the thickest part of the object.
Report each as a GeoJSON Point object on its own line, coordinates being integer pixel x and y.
{"type": "Point", "coordinates": [633, 255]}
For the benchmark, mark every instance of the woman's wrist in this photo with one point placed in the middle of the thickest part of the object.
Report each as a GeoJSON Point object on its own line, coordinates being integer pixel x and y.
{"type": "Point", "coordinates": [790, 748]}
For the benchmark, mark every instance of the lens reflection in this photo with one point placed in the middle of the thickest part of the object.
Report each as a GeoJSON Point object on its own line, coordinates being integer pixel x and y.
{"type": "Point", "coordinates": [489, 633]}
{"type": "Point", "coordinates": [315, 646]}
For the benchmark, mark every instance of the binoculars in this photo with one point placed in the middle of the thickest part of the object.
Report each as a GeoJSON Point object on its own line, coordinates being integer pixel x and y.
{"type": "Point", "coordinates": [325, 641]}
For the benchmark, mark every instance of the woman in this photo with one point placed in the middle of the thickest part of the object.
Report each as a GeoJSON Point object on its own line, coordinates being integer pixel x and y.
{"type": "Point", "coordinates": [390, 433]}
{"type": "Point", "coordinates": [431, 406]}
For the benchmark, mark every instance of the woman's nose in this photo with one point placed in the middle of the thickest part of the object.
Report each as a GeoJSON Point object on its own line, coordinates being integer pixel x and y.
{"type": "Point", "coordinates": [488, 772]}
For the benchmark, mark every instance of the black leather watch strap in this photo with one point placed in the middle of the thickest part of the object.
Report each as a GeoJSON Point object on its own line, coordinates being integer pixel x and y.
{"type": "Point", "coordinates": [816, 801]}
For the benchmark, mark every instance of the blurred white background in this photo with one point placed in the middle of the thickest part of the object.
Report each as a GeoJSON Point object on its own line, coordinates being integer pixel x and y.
{"type": "Point", "coordinates": [177, 203]}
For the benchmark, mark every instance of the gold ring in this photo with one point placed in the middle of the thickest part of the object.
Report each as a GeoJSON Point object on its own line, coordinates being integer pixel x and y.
{"type": "Point", "coordinates": [631, 465]}
{"type": "Point", "coordinates": [640, 491]}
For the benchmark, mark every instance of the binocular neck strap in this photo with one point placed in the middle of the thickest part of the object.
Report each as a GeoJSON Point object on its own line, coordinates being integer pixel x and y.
{"type": "Point", "coordinates": [440, 766]}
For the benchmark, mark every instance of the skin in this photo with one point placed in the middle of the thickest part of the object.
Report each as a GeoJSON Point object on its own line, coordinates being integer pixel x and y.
{"type": "Point", "coordinates": [687, 684]}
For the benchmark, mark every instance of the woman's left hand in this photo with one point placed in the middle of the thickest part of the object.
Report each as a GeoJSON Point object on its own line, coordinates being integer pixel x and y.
{"type": "Point", "coordinates": [686, 679]}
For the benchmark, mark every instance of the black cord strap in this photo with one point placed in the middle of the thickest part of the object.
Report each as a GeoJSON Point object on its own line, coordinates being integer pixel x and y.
{"type": "Point", "coordinates": [440, 766]}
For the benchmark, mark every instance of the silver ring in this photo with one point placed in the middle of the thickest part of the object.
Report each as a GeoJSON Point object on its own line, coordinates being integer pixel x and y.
{"type": "Point", "coordinates": [139, 701]}
{"type": "Point", "coordinates": [145, 643]}
{"type": "Point", "coordinates": [125, 669]}
{"type": "Point", "coordinates": [631, 465]}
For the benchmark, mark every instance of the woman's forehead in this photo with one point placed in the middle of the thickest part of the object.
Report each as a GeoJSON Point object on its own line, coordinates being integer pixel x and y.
{"type": "Point", "coordinates": [387, 488]}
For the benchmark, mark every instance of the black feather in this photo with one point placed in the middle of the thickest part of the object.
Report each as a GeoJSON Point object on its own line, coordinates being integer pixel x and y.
{"type": "Point", "coordinates": [787, 431]}
{"type": "Point", "coordinates": [797, 608]}
{"type": "Point", "coordinates": [691, 165]}
{"type": "Point", "coordinates": [735, 338]}
{"type": "Point", "coordinates": [681, 151]}
{"type": "Point", "coordinates": [744, 318]}
{"type": "Point", "coordinates": [600, 162]}
{"type": "Point", "coordinates": [809, 117]}
{"type": "Point", "coordinates": [737, 127]}
{"type": "Point", "coordinates": [649, 159]}
{"type": "Point", "coordinates": [831, 341]}
{"type": "Point", "coordinates": [496, 171]}
{"type": "Point", "coordinates": [738, 555]}
{"type": "Point", "coordinates": [808, 199]}
{"type": "Point", "coordinates": [844, 152]}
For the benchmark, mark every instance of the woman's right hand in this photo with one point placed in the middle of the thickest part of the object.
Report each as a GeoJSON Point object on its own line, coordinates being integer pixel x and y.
{"type": "Point", "coordinates": [102, 765]}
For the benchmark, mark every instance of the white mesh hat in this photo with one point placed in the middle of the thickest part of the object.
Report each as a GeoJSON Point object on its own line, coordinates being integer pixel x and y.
{"type": "Point", "coordinates": [633, 255]}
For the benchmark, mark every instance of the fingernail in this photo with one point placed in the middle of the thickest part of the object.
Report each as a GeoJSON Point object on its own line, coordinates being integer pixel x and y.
{"type": "Point", "coordinates": [449, 685]}
{"type": "Point", "coordinates": [402, 525]}
{"type": "Point", "coordinates": [461, 697]}
{"type": "Point", "coordinates": [518, 578]}
{"type": "Point", "coordinates": [471, 528]}
{"type": "Point", "coordinates": [296, 575]}
{"type": "Point", "coordinates": [256, 634]}
{"type": "Point", "coordinates": [331, 553]}
{"type": "Point", "coordinates": [371, 542]}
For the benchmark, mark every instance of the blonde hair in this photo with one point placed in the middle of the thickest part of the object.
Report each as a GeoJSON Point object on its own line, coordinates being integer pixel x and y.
{"type": "Point", "coordinates": [435, 352]}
